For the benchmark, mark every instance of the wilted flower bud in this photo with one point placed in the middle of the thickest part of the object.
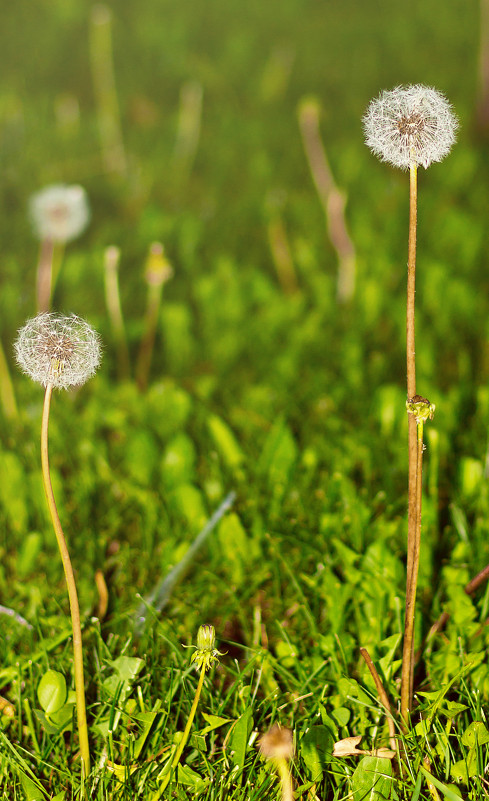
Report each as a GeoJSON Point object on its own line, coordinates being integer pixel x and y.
{"type": "Point", "coordinates": [59, 212]}
{"type": "Point", "coordinates": [410, 125]}
{"type": "Point", "coordinates": [57, 350]}
{"type": "Point", "coordinates": [421, 408]}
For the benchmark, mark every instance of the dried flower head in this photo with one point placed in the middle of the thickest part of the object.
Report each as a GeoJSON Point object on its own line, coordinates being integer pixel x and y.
{"type": "Point", "coordinates": [410, 125]}
{"type": "Point", "coordinates": [277, 743]}
{"type": "Point", "coordinates": [59, 212]}
{"type": "Point", "coordinates": [57, 350]}
{"type": "Point", "coordinates": [422, 409]}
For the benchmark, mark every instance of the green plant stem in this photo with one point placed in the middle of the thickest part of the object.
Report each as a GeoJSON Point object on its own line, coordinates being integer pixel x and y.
{"type": "Point", "coordinates": [183, 741]}
{"type": "Point", "coordinates": [407, 657]}
{"type": "Point", "coordinates": [72, 593]}
{"type": "Point", "coordinates": [113, 152]}
{"type": "Point", "coordinates": [45, 275]}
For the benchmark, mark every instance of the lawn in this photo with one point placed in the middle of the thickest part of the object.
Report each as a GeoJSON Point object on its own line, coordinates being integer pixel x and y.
{"type": "Point", "coordinates": [240, 386]}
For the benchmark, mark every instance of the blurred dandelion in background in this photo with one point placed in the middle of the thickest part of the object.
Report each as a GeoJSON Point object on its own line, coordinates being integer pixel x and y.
{"type": "Point", "coordinates": [59, 213]}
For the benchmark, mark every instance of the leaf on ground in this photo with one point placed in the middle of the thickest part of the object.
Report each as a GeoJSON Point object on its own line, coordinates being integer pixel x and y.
{"type": "Point", "coordinates": [348, 747]}
{"type": "Point", "coordinates": [372, 780]}
{"type": "Point", "coordinates": [316, 749]}
{"type": "Point", "coordinates": [225, 442]}
{"type": "Point", "coordinates": [213, 722]}
{"type": "Point", "coordinates": [240, 736]}
{"type": "Point", "coordinates": [279, 454]}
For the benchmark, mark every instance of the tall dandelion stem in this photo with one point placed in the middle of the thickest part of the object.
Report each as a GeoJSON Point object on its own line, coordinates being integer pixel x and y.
{"type": "Point", "coordinates": [71, 585]}
{"type": "Point", "coordinates": [408, 667]}
{"type": "Point", "coordinates": [61, 352]}
{"type": "Point", "coordinates": [411, 126]}
{"type": "Point", "coordinates": [420, 410]}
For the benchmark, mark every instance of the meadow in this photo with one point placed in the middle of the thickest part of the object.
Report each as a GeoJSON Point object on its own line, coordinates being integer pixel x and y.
{"type": "Point", "coordinates": [268, 399]}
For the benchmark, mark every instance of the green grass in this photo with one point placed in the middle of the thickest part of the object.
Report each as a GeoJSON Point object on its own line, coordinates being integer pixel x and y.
{"type": "Point", "coordinates": [287, 400]}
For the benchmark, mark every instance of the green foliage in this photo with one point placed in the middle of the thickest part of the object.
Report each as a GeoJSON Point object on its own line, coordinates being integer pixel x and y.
{"type": "Point", "coordinates": [372, 780]}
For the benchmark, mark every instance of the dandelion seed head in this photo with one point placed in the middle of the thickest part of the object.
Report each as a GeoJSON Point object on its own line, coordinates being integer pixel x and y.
{"type": "Point", "coordinates": [58, 350]}
{"type": "Point", "coordinates": [59, 212]}
{"type": "Point", "coordinates": [277, 743]}
{"type": "Point", "coordinates": [410, 125]}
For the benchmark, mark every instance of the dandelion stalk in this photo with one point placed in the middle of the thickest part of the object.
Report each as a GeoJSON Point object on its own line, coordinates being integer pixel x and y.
{"type": "Point", "coordinates": [71, 585]}
{"type": "Point", "coordinates": [419, 409]}
{"type": "Point", "coordinates": [332, 199]}
{"type": "Point", "coordinates": [413, 533]}
{"type": "Point", "coordinates": [113, 302]}
{"type": "Point", "coordinates": [158, 272]}
{"type": "Point", "coordinates": [113, 152]}
{"type": "Point", "coordinates": [203, 657]}
{"type": "Point", "coordinates": [59, 352]}
{"type": "Point", "coordinates": [277, 745]}
{"type": "Point", "coordinates": [188, 128]}
{"type": "Point", "coordinates": [407, 127]}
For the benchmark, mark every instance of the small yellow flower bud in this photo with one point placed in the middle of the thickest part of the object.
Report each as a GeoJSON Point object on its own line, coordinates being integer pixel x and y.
{"type": "Point", "coordinates": [205, 653]}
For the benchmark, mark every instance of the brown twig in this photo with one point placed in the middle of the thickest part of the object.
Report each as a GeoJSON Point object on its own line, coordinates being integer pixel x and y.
{"type": "Point", "coordinates": [439, 624]}
{"type": "Point", "coordinates": [383, 697]}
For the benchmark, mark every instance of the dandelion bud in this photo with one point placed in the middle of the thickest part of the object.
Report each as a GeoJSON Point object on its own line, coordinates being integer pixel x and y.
{"type": "Point", "coordinates": [205, 653]}
{"type": "Point", "coordinates": [57, 350]}
{"type": "Point", "coordinates": [59, 212]}
{"type": "Point", "coordinates": [409, 126]}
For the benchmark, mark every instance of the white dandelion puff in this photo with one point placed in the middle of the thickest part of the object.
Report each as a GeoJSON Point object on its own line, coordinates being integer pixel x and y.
{"type": "Point", "coordinates": [57, 350]}
{"type": "Point", "coordinates": [59, 212]}
{"type": "Point", "coordinates": [410, 125]}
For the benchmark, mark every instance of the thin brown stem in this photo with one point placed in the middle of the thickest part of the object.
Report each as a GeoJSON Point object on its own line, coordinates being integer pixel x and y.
{"type": "Point", "coordinates": [71, 585]}
{"type": "Point", "coordinates": [158, 272]}
{"type": "Point", "coordinates": [45, 275]}
{"type": "Point", "coordinates": [413, 580]}
{"type": "Point", "coordinates": [383, 697]}
{"type": "Point", "coordinates": [407, 666]}
{"type": "Point", "coordinates": [332, 199]}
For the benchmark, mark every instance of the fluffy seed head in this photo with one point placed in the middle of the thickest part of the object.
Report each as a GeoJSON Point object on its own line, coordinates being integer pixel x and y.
{"type": "Point", "coordinates": [57, 350]}
{"type": "Point", "coordinates": [410, 125]}
{"type": "Point", "coordinates": [277, 743]}
{"type": "Point", "coordinates": [59, 212]}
